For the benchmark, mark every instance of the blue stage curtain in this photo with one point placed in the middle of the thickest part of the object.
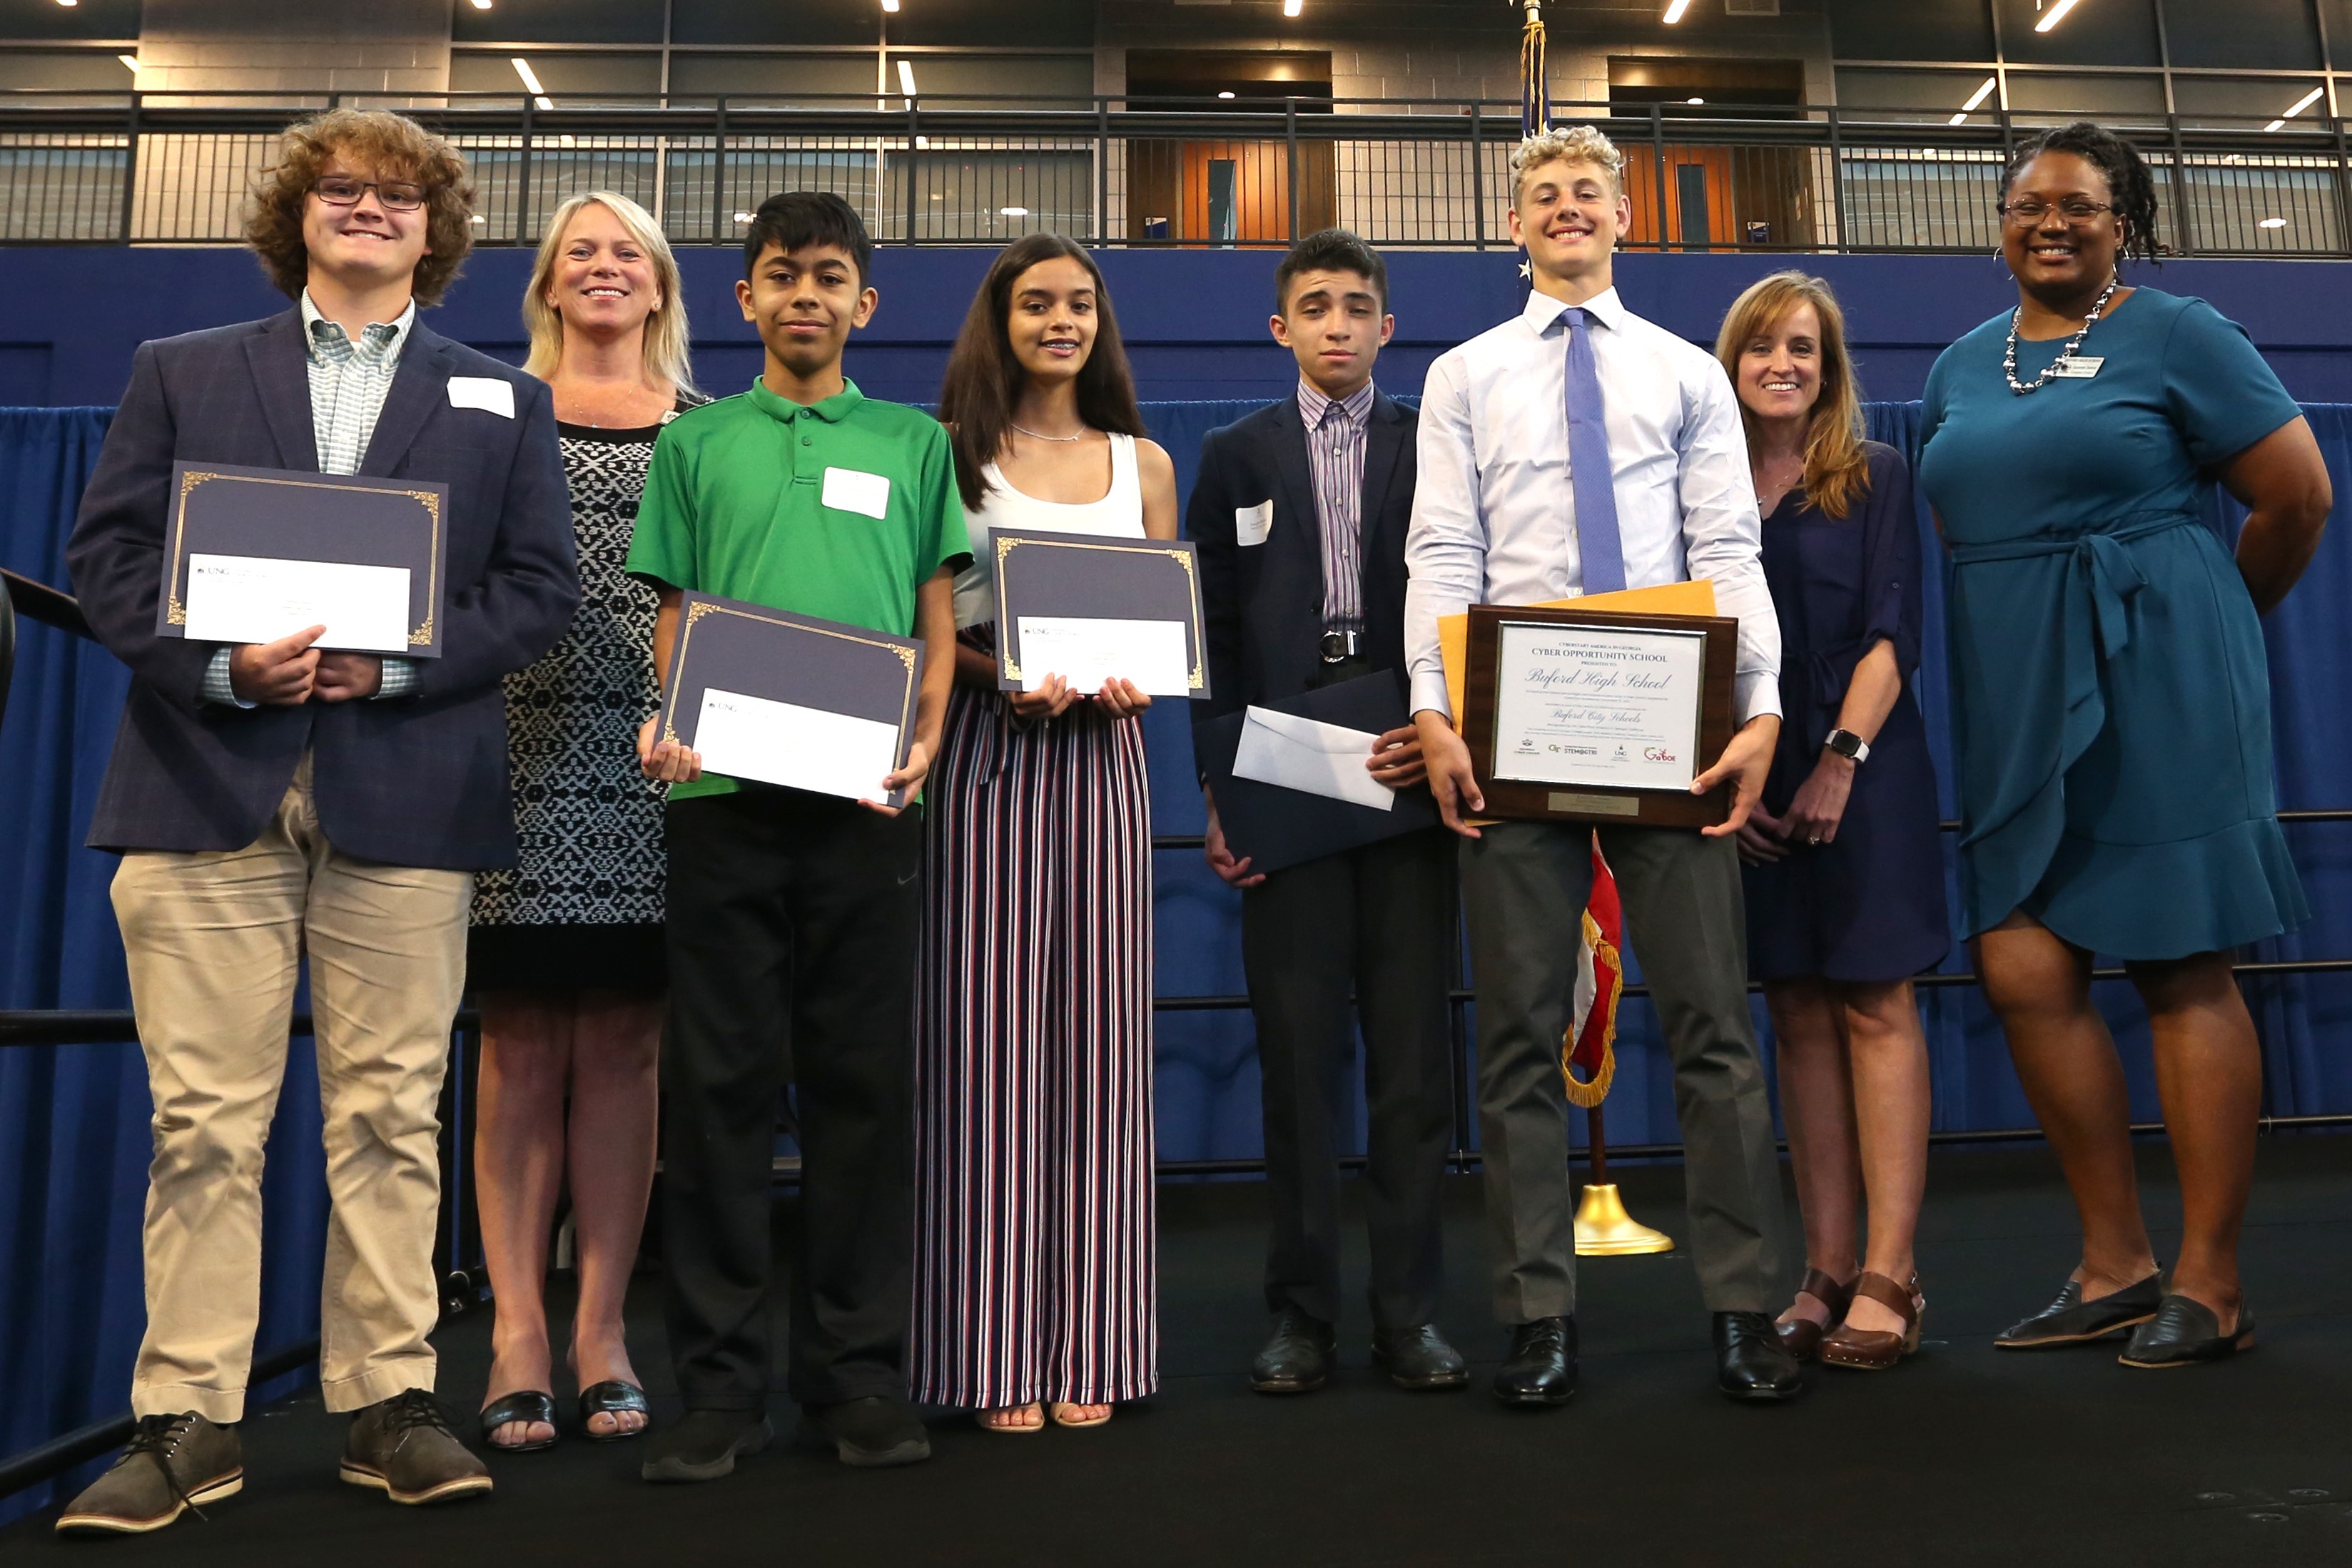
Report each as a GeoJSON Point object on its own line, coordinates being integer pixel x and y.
{"type": "Point", "coordinates": [72, 1118]}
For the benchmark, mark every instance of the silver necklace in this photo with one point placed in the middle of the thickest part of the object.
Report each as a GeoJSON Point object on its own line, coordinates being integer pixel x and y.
{"type": "Point", "coordinates": [1041, 436]}
{"type": "Point", "coordinates": [2009, 359]}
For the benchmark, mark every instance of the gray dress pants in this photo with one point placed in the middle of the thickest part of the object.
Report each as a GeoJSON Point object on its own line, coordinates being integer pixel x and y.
{"type": "Point", "coordinates": [1524, 887]}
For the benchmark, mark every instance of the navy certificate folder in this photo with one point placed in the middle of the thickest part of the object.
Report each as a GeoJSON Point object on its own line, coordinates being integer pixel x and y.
{"type": "Point", "coordinates": [1276, 826]}
{"type": "Point", "coordinates": [779, 657]}
{"type": "Point", "coordinates": [1095, 577]}
{"type": "Point", "coordinates": [277, 514]}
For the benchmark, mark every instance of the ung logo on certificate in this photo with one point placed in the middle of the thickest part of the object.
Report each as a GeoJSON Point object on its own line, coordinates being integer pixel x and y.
{"type": "Point", "coordinates": [1580, 715]}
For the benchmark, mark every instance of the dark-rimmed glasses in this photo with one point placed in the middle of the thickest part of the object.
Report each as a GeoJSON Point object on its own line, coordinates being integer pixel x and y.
{"type": "Point", "coordinates": [396, 196]}
{"type": "Point", "coordinates": [2028, 211]}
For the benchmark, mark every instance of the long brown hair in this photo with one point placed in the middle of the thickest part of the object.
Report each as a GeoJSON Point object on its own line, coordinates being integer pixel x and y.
{"type": "Point", "coordinates": [1837, 473]}
{"type": "Point", "coordinates": [983, 379]}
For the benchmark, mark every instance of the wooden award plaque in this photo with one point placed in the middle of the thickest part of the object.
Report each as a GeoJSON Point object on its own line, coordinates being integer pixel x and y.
{"type": "Point", "coordinates": [1537, 780]}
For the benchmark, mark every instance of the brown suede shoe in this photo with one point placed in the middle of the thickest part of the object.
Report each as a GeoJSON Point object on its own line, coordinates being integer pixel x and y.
{"type": "Point", "coordinates": [172, 1466]}
{"type": "Point", "coordinates": [1875, 1350]}
{"type": "Point", "coordinates": [1802, 1339]}
{"type": "Point", "coordinates": [403, 1447]}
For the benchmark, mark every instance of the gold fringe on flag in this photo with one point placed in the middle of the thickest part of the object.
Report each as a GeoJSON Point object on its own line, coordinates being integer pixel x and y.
{"type": "Point", "coordinates": [1588, 1092]}
{"type": "Point", "coordinates": [1535, 79]}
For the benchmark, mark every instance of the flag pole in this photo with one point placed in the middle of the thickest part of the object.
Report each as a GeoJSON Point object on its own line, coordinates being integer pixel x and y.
{"type": "Point", "coordinates": [1603, 1227]}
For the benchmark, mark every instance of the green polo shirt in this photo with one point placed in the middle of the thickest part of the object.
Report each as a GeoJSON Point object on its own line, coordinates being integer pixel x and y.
{"type": "Point", "coordinates": [840, 510]}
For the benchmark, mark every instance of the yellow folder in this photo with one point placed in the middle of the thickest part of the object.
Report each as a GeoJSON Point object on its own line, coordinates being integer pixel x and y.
{"type": "Point", "coordinates": [1673, 599]}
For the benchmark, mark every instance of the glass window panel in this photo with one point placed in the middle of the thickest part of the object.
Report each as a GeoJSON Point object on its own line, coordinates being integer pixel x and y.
{"type": "Point", "coordinates": [1067, 81]}
{"type": "Point", "coordinates": [786, 76]}
{"type": "Point", "coordinates": [1911, 95]}
{"type": "Point", "coordinates": [2258, 35]}
{"type": "Point", "coordinates": [560, 22]}
{"type": "Point", "coordinates": [2247, 103]}
{"type": "Point", "coordinates": [89, 19]}
{"type": "Point", "coordinates": [570, 79]}
{"type": "Point", "coordinates": [1920, 30]}
{"type": "Point", "coordinates": [800, 22]}
{"type": "Point", "coordinates": [64, 69]}
{"type": "Point", "coordinates": [2046, 98]}
{"type": "Point", "coordinates": [2094, 33]}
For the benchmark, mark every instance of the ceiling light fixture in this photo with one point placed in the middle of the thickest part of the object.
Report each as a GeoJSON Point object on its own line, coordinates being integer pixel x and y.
{"type": "Point", "coordinates": [2272, 224]}
{"type": "Point", "coordinates": [2055, 14]}
{"type": "Point", "coordinates": [1984, 91]}
{"type": "Point", "coordinates": [2305, 102]}
{"type": "Point", "coordinates": [1694, 100]}
{"type": "Point", "coordinates": [907, 77]}
{"type": "Point", "coordinates": [531, 80]}
{"type": "Point", "coordinates": [742, 217]}
{"type": "Point", "coordinates": [1293, 8]}
{"type": "Point", "coordinates": [1012, 212]}
{"type": "Point", "coordinates": [1228, 93]}
{"type": "Point", "coordinates": [69, 3]}
{"type": "Point", "coordinates": [129, 60]}
{"type": "Point", "coordinates": [1675, 12]}
{"type": "Point", "coordinates": [890, 5]}
{"type": "Point", "coordinates": [481, 5]}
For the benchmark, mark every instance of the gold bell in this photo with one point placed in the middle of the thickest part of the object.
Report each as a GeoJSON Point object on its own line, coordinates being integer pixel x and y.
{"type": "Point", "coordinates": [1604, 1229]}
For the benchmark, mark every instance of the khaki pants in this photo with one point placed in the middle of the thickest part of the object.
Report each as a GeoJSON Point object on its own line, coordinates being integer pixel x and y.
{"type": "Point", "coordinates": [214, 940]}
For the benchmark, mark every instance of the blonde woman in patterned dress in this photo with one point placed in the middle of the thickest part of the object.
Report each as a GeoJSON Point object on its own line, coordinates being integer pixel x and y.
{"type": "Point", "coordinates": [566, 959]}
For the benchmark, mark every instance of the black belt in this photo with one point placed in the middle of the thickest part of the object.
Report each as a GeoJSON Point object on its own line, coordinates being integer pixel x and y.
{"type": "Point", "coordinates": [1342, 644]}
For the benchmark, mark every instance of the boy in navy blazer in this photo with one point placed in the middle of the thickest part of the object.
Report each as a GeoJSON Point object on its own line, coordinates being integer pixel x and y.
{"type": "Point", "coordinates": [1300, 513]}
{"type": "Point", "coordinates": [274, 799]}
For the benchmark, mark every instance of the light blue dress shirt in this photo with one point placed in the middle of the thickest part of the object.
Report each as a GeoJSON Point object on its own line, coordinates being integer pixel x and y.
{"type": "Point", "coordinates": [1494, 518]}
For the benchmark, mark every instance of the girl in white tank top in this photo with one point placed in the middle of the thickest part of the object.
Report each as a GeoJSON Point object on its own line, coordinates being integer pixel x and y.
{"type": "Point", "coordinates": [1119, 512]}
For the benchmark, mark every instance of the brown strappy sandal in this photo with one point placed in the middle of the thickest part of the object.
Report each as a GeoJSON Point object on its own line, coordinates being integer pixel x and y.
{"type": "Point", "coordinates": [1875, 1350]}
{"type": "Point", "coordinates": [1802, 1339]}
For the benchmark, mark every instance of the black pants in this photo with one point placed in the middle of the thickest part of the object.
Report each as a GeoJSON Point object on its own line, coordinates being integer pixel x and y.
{"type": "Point", "coordinates": [1376, 921]}
{"type": "Point", "coordinates": [792, 923]}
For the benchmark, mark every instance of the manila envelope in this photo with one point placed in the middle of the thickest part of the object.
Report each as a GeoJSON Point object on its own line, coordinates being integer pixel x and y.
{"type": "Point", "coordinates": [1673, 599]}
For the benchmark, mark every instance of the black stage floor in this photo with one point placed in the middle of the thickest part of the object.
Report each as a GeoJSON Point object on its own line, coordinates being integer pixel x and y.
{"type": "Point", "coordinates": [1966, 1455]}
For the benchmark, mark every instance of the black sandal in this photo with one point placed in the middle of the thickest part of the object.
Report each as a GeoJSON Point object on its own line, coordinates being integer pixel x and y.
{"type": "Point", "coordinates": [612, 1398]}
{"type": "Point", "coordinates": [528, 1405]}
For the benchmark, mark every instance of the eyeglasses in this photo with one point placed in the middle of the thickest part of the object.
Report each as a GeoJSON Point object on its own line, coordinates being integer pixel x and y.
{"type": "Point", "coordinates": [2030, 211]}
{"type": "Point", "coordinates": [396, 196]}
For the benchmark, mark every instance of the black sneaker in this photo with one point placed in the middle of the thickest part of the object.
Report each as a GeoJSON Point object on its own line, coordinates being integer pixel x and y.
{"type": "Point", "coordinates": [705, 1445]}
{"type": "Point", "coordinates": [172, 1464]}
{"type": "Point", "coordinates": [870, 1433]}
{"type": "Point", "coordinates": [403, 1447]}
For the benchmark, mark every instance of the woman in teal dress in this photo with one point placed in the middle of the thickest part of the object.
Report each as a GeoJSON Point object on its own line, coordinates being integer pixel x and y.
{"type": "Point", "coordinates": [2111, 715]}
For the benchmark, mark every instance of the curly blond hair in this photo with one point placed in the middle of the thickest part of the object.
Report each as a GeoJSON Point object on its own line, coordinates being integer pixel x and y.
{"type": "Point", "coordinates": [395, 146]}
{"type": "Point", "coordinates": [1570, 143]}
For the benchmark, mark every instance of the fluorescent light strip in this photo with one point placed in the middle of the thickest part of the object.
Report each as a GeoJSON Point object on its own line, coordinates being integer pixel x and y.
{"type": "Point", "coordinates": [1983, 92]}
{"type": "Point", "coordinates": [1675, 12]}
{"type": "Point", "coordinates": [2056, 15]}
{"type": "Point", "coordinates": [907, 77]}
{"type": "Point", "coordinates": [1293, 8]}
{"type": "Point", "coordinates": [891, 5]}
{"type": "Point", "coordinates": [531, 80]}
{"type": "Point", "coordinates": [131, 60]}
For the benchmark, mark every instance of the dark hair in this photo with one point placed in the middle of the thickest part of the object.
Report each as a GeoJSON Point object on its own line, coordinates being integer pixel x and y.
{"type": "Point", "coordinates": [1330, 250]}
{"type": "Point", "coordinates": [983, 378]}
{"type": "Point", "coordinates": [396, 148]}
{"type": "Point", "coordinates": [798, 219]}
{"type": "Point", "coordinates": [2128, 180]}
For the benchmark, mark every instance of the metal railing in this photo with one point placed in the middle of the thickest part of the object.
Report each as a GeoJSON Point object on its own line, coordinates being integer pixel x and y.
{"type": "Point", "coordinates": [969, 170]}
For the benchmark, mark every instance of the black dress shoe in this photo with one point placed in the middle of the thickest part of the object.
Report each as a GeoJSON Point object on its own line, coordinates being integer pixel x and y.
{"type": "Point", "coordinates": [872, 1433]}
{"type": "Point", "coordinates": [1541, 1368]}
{"type": "Point", "coordinates": [705, 1445]}
{"type": "Point", "coordinates": [2071, 1320]}
{"type": "Point", "coordinates": [1420, 1358]}
{"type": "Point", "coordinates": [1749, 1364]}
{"type": "Point", "coordinates": [1299, 1358]}
{"type": "Point", "coordinates": [2185, 1331]}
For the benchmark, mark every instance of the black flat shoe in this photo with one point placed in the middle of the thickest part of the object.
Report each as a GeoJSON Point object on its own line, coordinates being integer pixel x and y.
{"type": "Point", "coordinates": [1749, 1364]}
{"type": "Point", "coordinates": [529, 1406]}
{"type": "Point", "coordinates": [2071, 1320]}
{"type": "Point", "coordinates": [1419, 1358]}
{"type": "Point", "coordinates": [1297, 1359]}
{"type": "Point", "coordinates": [612, 1398]}
{"type": "Point", "coordinates": [1541, 1368]}
{"type": "Point", "coordinates": [2185, 1331]}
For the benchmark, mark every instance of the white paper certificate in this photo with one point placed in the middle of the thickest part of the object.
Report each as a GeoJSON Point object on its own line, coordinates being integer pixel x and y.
{"type": "Point", "coordinates": [1086, 651]}
{"type": "Point", "coordinates": [254, 599]}
{"type": "Point", "coordinates": [1598, 704]}
{"type": "Point", "coordinates": [799, 748]}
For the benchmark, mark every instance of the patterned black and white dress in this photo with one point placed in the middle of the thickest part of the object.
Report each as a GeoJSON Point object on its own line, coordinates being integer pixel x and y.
{"type": "Point", "coordinates": [582, 909]}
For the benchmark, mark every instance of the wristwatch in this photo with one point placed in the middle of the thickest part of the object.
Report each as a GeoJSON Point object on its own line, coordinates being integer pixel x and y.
{"type": "Point", "coordinates": [1848, 744]}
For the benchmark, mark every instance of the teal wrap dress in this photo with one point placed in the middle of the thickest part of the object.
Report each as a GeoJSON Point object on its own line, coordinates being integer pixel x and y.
{"type": "Point", "coordinates": [2110, 699]}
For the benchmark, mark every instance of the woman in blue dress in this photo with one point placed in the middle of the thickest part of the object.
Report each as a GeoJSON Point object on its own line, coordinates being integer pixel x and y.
{"type": "Point", "coordinates": [1845, 875]}
{"type": "Point", "coordinates": [2112, 715]}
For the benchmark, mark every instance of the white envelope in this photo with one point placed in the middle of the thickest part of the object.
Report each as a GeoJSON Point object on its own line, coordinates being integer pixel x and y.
{"type": "Point", "coordinates": [1309, 755]}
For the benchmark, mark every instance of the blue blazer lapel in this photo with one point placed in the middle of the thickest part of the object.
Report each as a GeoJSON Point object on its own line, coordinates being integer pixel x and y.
{"type": "Point", "coordinates": [1297, 528]}
{"type": "Point", "coordinates": [281, 362]}
{"type": "Point", "coordinates": [417, 388]}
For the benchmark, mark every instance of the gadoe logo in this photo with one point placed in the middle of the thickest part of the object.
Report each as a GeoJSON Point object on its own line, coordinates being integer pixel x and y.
{"type": "Point", "coordinates": [1656, 754]}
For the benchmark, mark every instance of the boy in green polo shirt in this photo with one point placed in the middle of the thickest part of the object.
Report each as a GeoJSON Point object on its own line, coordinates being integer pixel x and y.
{"type": "Point", "coordinates": [792, 917]}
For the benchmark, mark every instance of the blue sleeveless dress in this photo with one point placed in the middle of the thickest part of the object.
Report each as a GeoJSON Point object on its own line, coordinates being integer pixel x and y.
{"type": "Point", "coordinates": [2111, 704]}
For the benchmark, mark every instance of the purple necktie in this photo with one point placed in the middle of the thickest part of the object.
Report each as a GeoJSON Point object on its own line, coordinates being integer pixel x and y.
{"type": "Point", "coordinates": [1590, 478]}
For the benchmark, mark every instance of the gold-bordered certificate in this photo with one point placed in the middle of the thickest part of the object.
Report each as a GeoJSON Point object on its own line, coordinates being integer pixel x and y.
{"type": "Point", "coordinates": [1086, 607]}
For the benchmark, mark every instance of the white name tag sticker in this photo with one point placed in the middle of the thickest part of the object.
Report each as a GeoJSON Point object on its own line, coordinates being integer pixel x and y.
{"type": "Point", "coordinates": [848, 490]}
{"type": "Point", "coordinates": [485, 392]}
{"type": "Point", "coordinates": [2080, 368]}
{"type": "Point", "coordinates": [1252, 524]}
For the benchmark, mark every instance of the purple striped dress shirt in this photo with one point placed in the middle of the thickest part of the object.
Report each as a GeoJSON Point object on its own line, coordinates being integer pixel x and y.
{"type": "Point", "coordinates": [1335, 458]}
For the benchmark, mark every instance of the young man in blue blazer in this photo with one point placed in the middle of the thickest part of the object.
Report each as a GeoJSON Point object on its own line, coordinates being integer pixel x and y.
{"type": "Point", "coordinates": [273, 799]}
{"type": "Point", "coordinates": [1300, 512]}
